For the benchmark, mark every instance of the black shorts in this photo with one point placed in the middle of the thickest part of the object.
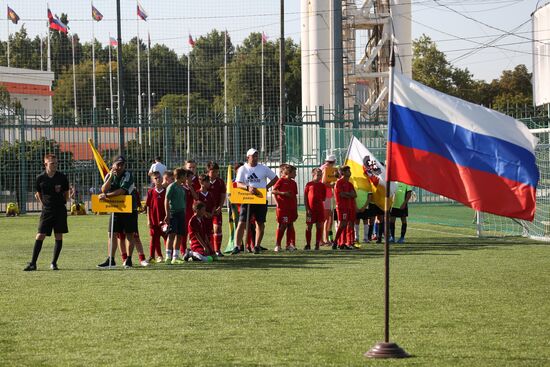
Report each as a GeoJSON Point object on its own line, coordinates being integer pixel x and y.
{"type": "Point", "coordinates": [365, 214]}
{"type": "Point", "coordinates": [125, 222]}
{"type": "Point", "coordinates": [259, 211]}
{"type": "Point", "coordinates": [399, 213]}
{"type": "Point", "coordinates": [178, 224]}
{"type": "Point", "coordinates": [53, 219]}
{"type": "Point", "coordinates": [374, 210]}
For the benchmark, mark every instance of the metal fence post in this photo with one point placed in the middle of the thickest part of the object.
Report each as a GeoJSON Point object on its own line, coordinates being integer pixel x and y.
{"type": "Point", "coordinates": [22, 190]}
{"type": "Point", "coordinates": [236, 134]}
{"type": "Point", "coordinates": [355, 116]}
{"type": "Point", "coordinates": [322, 134]}
{"type": "Point", "coordinates": [166, 137]}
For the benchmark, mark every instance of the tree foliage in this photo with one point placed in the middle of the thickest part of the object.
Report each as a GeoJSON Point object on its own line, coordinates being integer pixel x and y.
{"type": "Point", "coordinates": [430, 67]}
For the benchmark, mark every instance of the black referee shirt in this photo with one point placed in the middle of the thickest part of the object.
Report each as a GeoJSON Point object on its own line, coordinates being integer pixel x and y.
{"type": "Point", "coordinates": [52, 189]}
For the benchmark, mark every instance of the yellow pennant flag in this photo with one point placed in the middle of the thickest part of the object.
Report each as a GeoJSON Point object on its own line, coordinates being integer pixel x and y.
{"type": "Point", "coordinates": [101, 165]}
{"type": "Point", "coordinates": [366, 181]}
{"type": "Point", "coordinates": [229, 181]}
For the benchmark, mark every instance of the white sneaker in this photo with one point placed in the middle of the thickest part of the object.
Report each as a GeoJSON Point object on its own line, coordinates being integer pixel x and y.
{"type": "Point", "coordinates": [144, 263]}
{"type": "Point", "coordinates": [277, 249]}
{"type": "Point", "coordinates": [174, 260]}
{"type": "Point", "coordinates": [160, 259]}
{"type": "Point", "coordinates": [291, 248]}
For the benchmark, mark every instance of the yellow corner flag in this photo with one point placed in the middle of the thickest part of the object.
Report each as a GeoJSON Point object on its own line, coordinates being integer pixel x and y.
{"type": "Point", "coordinates": [229, 181]}
{"type": "Point", "coordinates": [101, 165]}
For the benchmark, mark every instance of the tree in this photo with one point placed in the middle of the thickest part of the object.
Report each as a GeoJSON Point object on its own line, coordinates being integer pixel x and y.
{"type": "Point", "coordinates": [430, 67]}
{"type": "Point", "coordinates": [207, 58]}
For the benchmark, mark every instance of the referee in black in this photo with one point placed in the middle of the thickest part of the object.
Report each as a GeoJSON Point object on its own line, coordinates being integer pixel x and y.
{"type": "Point", "coordinates": [52, 190]}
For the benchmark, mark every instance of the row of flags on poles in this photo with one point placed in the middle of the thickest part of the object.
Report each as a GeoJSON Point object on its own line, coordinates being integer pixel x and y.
{"type": "Point", "coordinates": [56, 24]}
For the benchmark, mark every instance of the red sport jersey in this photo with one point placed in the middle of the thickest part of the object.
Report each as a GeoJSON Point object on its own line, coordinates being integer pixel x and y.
{"type": "Point", "coordinates": [287, 206]}
{"type": "Point", "coordinates": [345, 207]}
{"type": "Point", "coordinates": [218, 190]}
{"type": "Point", "coordinates": [197, 226]}
{"type": "Point", "coordinates": [155, 206]}
{"type": "Point", "coordinates": [315, 194]}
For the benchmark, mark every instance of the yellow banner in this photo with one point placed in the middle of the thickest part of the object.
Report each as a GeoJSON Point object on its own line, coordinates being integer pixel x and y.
{"type": "Point", "coordinates": [242, 196]}
{"type": "Point", "coordinates": [114, 204]}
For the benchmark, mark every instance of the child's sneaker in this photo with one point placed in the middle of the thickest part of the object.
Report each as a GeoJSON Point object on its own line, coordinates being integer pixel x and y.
{"type": "Point", "coordinates": [168, 261]}
{"type": "Point", "coordinates": [401, 240]}
{"type": "Point", "coordinates": [277, 249]}
{"type": "Point", "coordinates": [307, 247]}
{"type": "Point", "coordinates": [291, 248]}
{"type": "Point", "coordinates": [160, 259]}
{"type": "Point", "coordinates": [219, 254]}
{"type": "Point", "coordinates": [317, 248]}
{"type": "Point", "coordinates": [144, 263]}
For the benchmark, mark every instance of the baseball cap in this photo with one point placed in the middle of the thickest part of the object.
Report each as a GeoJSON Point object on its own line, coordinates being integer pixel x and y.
{"type": "Point", "coordinates": [331, 158]}
{"type": "Point", "coordinates": [119, 159]}
{"type": "Point", "coordinates": [251, 151]}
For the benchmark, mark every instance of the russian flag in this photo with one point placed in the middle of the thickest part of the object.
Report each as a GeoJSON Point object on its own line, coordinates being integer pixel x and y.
{"type": "Point", "coordinates": [477, 156]}
{"type": "Point", "coordinates": [56, 23]}
{"type": "Point", "coordinates": [141, 12]}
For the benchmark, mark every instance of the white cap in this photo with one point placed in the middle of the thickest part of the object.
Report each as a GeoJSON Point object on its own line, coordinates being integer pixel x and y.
{"type": "Point", "coordinates": [331, 158]}
{"type": "Point", "coordinates": [251, 151]}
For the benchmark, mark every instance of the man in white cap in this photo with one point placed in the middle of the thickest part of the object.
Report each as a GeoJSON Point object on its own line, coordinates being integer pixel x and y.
{"type": "Point", "coordinates": [330, 175]}
{"type": "Point", "coordinates": [251, 176]}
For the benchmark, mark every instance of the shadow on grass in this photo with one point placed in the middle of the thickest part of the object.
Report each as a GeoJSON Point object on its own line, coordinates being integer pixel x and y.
{"type": "Point", "coordinates": [440, 246]}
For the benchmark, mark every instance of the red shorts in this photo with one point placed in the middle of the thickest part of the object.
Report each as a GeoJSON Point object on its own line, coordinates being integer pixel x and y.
{"type": "Point", "coordinates": [286, 216]}
{"type": "Point", "coordinates": [156, 230]}
{"type": "Point", "coordinates": [315, 216]}
{"type": "Point", "coordinates": [217, 219]}
{"type": "Point", "coordinates": [346, 214]}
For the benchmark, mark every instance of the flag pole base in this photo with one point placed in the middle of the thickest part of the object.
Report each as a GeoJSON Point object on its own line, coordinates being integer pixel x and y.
{"type": "Point", "coordinates": [386, 350]}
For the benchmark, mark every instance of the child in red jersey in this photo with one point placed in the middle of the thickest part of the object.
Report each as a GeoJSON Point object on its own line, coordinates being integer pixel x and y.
{"type": "Point", "coordinates": [205, 196]}
{"type": "Point", "coordinates": [345, 195]}
{"type": "Point", "coordinates": [198, 234]}
{"type": "Point", "coordinates": [286, 192]}
{"type": "Point", "coordinates": [219, 192]}
{"type": "Point", "coordinates": [154, 207]}
{"type": "Point", "coordinates": [314, 196]}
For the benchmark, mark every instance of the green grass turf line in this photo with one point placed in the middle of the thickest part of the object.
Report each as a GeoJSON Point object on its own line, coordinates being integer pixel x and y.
{"type": "Point", "coordinates": [456, 301]}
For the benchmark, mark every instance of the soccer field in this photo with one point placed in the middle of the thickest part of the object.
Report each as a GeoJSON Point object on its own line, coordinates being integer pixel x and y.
{"type": "Point", "coordinates": [456, 301]}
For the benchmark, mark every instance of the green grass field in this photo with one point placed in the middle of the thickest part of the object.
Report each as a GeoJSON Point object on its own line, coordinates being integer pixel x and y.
{"type": "Point", "coordinates": [455, 301]}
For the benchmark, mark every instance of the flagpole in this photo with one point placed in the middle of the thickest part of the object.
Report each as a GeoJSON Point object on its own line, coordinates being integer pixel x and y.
{"type": "Point", "coordinates": [111, 81]}
{"type": "Point", "coordinates": [138, 79]}
{"type": "Point", "coordinates": [225, 96]}
{"type": "Point", "coordinates": [74, 84]}
{"type": "Point", "coordinates": [94, 100]}
{"type": "Point", "coordinates": [8, 43]}
{"type": "Point", "coordinates": [387, 349]}
{"type": "Point", "coordinates": [188, 100]}
{"type": "Point", "coordinates": [263, 101]}
{"type": "Point", "coordinates": [41, 54]}
{"type": "Point", "coordinates": [149, 85]}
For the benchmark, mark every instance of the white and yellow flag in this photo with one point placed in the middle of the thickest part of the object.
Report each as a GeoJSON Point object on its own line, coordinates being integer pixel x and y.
{"type": "Point", "coordinates": [366, 181]}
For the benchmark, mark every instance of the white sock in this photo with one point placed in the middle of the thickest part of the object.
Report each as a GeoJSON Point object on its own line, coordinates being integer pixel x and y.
{"type": "Point", "coordinates": [356, 232]}
{"type": "Point", "coordinates": [176, 254]}
{"type": "Point", "coordinates": [198, 256]}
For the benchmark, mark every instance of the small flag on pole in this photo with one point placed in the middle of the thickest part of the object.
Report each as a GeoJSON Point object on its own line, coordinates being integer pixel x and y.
{"type": "Point", "coordinates": [96, 15]}
{"type": "Point", "coordinates": [191, 41]}
{"type": "Point", "coordinates": [56, 23]}
{"type": "Point", "coordinates": [13, 16]}
{"type": "Point", "coordinates": [113, 42]}
{"type": "Point", "coordinates": [101, 165]}
{"type": "Point", "coordinates": [264, 37]}
{"type": "Point", "coordinates": [141, 12]}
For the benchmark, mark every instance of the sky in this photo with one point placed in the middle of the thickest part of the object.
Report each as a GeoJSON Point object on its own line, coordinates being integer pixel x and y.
{"type": "Point", "coordinates": [484, 36]}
